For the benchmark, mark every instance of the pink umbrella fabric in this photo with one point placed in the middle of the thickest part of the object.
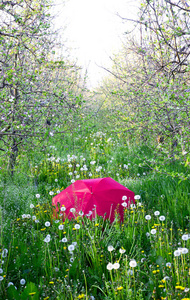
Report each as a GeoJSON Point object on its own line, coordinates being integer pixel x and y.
{"type": "Point", "coordinates": [101, 196]}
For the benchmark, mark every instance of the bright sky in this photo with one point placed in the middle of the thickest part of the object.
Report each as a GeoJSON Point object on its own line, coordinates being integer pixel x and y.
{"type": "Point", "coordinates": [93, 31]}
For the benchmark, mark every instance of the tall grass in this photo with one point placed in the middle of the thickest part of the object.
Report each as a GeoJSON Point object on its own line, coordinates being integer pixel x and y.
{"type": "Point", "coordinates": [42, 257]}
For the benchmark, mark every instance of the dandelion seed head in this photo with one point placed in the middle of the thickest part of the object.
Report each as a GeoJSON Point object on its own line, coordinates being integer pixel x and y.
{"type": "Point", "coordinates": [110, 248]}
{"type": "Point", "coordinates": [177, 253]}
{"type": "Point", "coordinates": [109, 266]}
{"type": "Point", "coordinates": [60, 227]}
{"type": "Point", "coordinates": [71, 248]}
{"type": "Point", "coordinates": [185, 237]}
{"type": "Point", "coordinates": [22, 281]}
{"type": "Point", "coordinates": [77, 226]}
{"type": "Point", "coordinates": [156, 213]}
{"type": "Point", "coordinates": [133, 263]}
{"type": "Point", "coordinates": [63, 208]}
{"type": "Point", "coordinates": [116, 266]}
{"type": "Point", "coordinates": [47, 224]}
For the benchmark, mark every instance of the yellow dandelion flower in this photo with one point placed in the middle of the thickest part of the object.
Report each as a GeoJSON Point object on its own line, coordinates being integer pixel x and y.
{"type": "Point", "coordinates": [51, 282]}
{"type": "Point", "coordinates": [154, 272]}
{"type": "Point", "coordinates": [32, 294]}
{"type": "Point", "coordinates": [97, 224]}
{"type": "Point", "coordinates": [81, 296]}
{"type": "Point", "coordinates": [161, 286]}
{"type": "Point", "coordinates": [42, 229]}
{"type": "Point", "coordinates": [119, 288]}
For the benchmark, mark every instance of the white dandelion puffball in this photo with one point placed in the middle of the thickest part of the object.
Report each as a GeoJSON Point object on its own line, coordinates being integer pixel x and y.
{"type": "Point", "coordinates": [177, 253]}
{"type": "Point", "coordinates": [137, 197]}
{"type": "Point", "coordinates": [1, 278]}
{"type": "Point", "coordinates": [4, 253]}
{"type": "Point", "coordinates": [122, 250]}
{"type": "Point", "coordinates": [31, 205]}
{"type": "Point", "coordinates": [64, 240]}
{"type": "Point", "coordinates": [153, 231]}
{"type": "Point", "coordinates": [71, 248]}
{"type": "Point", "coordinates": [116, 266]}
{"type": "Point", "coordinates": [162, 218]}
{"type": "Point", "coordinates": [81, 213]}
{"type": "Point", "coordinates": [61, 227]}
{"type": "Point", "coordinates": [168, 264]}
{"type": "Point", "coordinates": [110, 248]}
{"type": "Point", "coordinates": [47, 224]}
{"type": "Point", "coordinates": [109, 266]}
{"type": "Point", "coordinates": [73, 210]}
{"type": "Point", "coordinates": [184, 251]}
{"type": "Point", "coordinates": [185, 237]}
{"type": "Point", "coordinates": [156, 213]}
{"type": "Point", "coordinates": [147, 217]}
{"type": "Point", "coordinates": [47, 239]}
{"type": "Point", "coordinates": [124, 204]}
{"type": "Point", "coordinates": [51, 193]}
{"type": "Point", "coordinates": [22, 281]}
{"type": "Point", "coordinates": [38, 196]}
{"type": "Point", "coordinates": [124, 198]}
{"type": "Point", "coordinates": [133, 263]}
{"type": "Point", "coordinates": [77, 226]}
{"type": "Point", "coordinates": [63, 208]}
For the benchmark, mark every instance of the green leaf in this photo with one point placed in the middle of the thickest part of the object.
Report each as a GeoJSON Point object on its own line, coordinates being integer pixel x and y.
{"type": "Point", "coordinates": [13, 294]}
{"type": "Point", "coordinates": [30, 292]}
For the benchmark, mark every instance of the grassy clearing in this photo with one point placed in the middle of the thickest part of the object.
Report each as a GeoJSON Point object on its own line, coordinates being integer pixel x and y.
{"type": "Point", "coordinates": [145, 257]}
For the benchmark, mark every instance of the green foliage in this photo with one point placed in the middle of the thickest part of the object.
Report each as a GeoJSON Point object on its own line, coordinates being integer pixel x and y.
{"type": "Point", "coordinates": [38, 253]}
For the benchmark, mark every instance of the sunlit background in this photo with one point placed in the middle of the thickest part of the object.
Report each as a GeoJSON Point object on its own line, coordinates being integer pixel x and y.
{"type": "Point", "coordinates": [93, 31]}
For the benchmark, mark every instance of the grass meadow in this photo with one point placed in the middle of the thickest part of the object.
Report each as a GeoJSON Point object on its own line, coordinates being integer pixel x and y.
{"type": "Point", "coordinates": [41, 257]}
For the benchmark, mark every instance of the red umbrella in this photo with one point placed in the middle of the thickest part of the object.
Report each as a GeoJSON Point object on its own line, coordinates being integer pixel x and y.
{"type": "Point", "coordinates": [101, 196]}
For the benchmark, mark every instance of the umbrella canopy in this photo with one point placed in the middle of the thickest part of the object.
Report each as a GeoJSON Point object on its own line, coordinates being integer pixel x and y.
{"type": "Point", "coordinates": [101, 196]}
